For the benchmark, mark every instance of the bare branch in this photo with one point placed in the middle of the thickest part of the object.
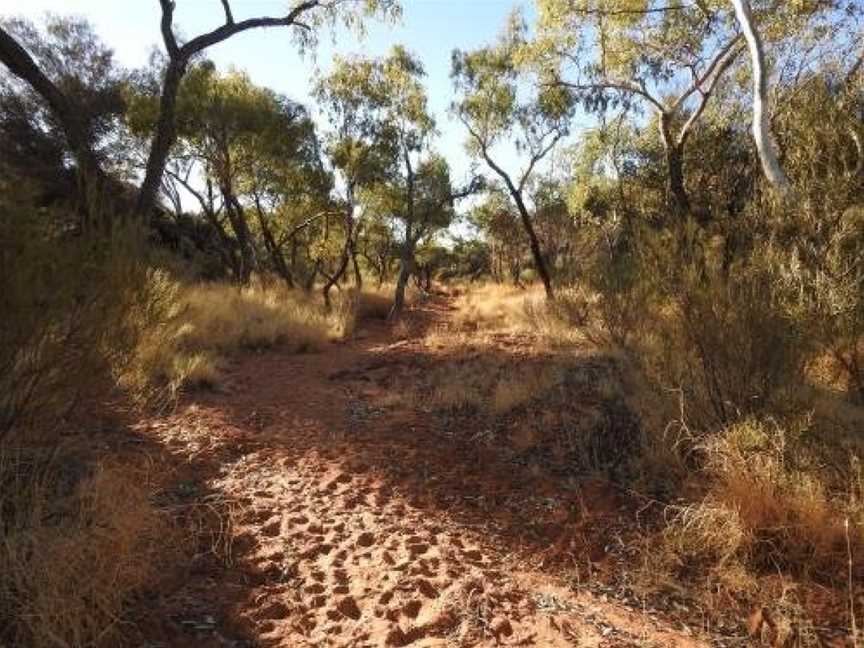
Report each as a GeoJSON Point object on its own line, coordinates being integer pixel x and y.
{"type": "Point", "coordinates": [717, 69]}
{"type": "Point", "coordinates": [299, 228]}
{"type": "Point", "coordinates": [635, 12]}
{"type": "Point", "coordinates": [168, 29]}
{"type": "Point", "coordinates": [228, 30]}
{"type": "Point", "coordinates": [539, 155]}
{"type": "Point", "coordinates": [229, 17]}
{"type": "Point", "coordinates": [719, 64]}
{"type": "Point", "coordinates": [622, 86]}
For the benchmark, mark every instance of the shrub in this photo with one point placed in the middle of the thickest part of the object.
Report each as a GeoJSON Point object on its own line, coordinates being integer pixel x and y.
{"type": "Point", "coordinates": [769, 503]}
{"type": "Point", "coordinates": [75, 308]}
{"type": "Point", "coordinates": [77, 543]}
{"type": "Point", "coordinates": [720, 334]}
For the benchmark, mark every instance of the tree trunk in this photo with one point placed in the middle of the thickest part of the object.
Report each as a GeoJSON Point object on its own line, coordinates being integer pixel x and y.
{"type": "Point", "coordinates": [163, 138]}
{"type": "Point", "coordinates": [227, 247]}
{"type": "Point", "coordinates": [406, 267]}
{"type": "Point", "coordinates": [536, 251]}
{"type": "Point", "coordinates": [344, 258]}
{"type": "Point", "coordinates": [273, 250]}
{"type": "Point", "coordinates": [358, 276]}
{"type": "Point", "coordinates": [765, 143]}
{"type": "Point", "coordinates": [94, 185]}
{"type": "Point", "coordinates": [241, 231]}
{"type": "Point", "coordinates": [674, 151]}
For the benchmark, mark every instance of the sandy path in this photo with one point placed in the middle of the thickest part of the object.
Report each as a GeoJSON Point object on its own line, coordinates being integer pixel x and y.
{"type": "Point", "coordinates": [358, 522]}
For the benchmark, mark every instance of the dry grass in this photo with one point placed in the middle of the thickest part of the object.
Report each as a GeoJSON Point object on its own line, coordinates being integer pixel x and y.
{"type": "Point", "coordinates": [513, 392]}
{"type": "Point", "coordinates": [768, 504]}
{"type": "Point", "coordinates": [375, 303]}
{"type": "Point", "coordinates": [206, 322]}
{"type": "Point", "coordinates": [78, 543]}
{"type": "Point", "coordinates": [494, 308]}
{"type": "Point", "coordinates": [220, 317]}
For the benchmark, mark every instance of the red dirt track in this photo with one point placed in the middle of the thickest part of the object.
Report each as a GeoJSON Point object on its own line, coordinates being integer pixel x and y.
{"type": "Point", "coordinates": [357, 521]}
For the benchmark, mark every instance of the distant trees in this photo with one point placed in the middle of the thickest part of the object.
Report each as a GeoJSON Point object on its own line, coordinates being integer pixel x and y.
{"type": "Point", "coordinates": [498, 109]}
{"type": "Point", "coordinates": [381, 146]}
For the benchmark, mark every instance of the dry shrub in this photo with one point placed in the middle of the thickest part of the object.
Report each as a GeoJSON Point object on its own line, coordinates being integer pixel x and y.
{"type": "Point", "coordinates": [719, 333]}
{"type": "Point", "coordinates": [375, 303]}
{"type": "Point", "coordinates": [343, 315]}
{"type": "Point", "coordinates": [770, 503]}
{"type": "Point", "coordinates": [561, 323]}
{"type": "Point", "coordinates": [728, 347]}
{"type": "Point", "coordinates": [495, 308]}
{"type": "Point", "coordinates": [491, 307]}
{"type": "Point", "coordinates": [78, 544]}
{"type": "Point", "coordinates": [77, 310]}
{"type": "Point", "coordinates": [457, 396]}
{"type": "Point", "coordinates": [455, 386]}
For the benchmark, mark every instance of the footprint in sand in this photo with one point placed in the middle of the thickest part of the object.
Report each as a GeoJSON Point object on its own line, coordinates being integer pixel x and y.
{"type": "Point", "coordinates": [348, 606]}
{"type": "Point", "coordinates": [366, 539]}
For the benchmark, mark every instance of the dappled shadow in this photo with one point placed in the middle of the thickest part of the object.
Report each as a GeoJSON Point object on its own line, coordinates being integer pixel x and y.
{"type": "Point", "coordinates": [335, 464]}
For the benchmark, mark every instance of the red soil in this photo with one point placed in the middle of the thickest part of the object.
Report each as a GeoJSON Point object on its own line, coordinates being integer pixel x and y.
{"type": "Point", "coordinates": [355, 522]}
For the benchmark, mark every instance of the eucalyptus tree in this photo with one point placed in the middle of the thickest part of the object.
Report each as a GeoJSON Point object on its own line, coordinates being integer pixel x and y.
{"type": "Point", "coordinates": [421, 198]}
{"type": "Point", "coordinates": [242, 149]}
{"type": "Point", "coordinates": [498, 105]}
{"type": "Point", "coordinates": [495, 219]}
{"type": "Point", "coordinates": [303, 18]}
{"type": "Point", "coordinates": [381, 148]}
{"type": "Point", "coordinates": [61, 108]}
{"type": "Point", "coordinates": [361, 146]}
{"type": "Point", "coordinates": [765, 143]}
{"type": "Point", "coordinates": [667, 56]}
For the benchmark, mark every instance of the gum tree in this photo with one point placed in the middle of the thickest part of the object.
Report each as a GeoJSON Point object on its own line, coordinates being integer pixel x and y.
{"type": "Point", "coordinates": [381, 148]}
{"type": "Point", "coordinates": [303, 19]}
{"type": "Point", "coordinates": [669, 57]}
{"type": "Point", "coordinates": [499, 105]}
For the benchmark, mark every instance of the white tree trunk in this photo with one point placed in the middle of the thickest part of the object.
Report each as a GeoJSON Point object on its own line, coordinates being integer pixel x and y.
{"type": "Point", "coordinates": [761, 121]}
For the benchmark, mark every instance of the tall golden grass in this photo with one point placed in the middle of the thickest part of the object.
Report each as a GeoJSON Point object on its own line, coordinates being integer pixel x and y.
{"type": "Point", "coordinates": [209, 321]}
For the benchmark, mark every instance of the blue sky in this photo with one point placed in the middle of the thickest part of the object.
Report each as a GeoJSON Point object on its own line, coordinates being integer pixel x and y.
{"type": "Point", "coordinates": [430, 28]}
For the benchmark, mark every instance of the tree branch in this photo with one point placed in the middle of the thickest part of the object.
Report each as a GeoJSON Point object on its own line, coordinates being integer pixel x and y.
{"type": "Point", "coordinates": [167, 28]}
{"type": "Point", "coordinates": [622, 86]}
{"type": "Point", "coordinates": [299, 228]}
{"type": "Point", "coordinates": [229, 17]}
{"type": "Point", "coordinates": [632, 12]}
{"type": "Point", "coordinates": [229, 29]}
{"type": "Point", "coordinates": [716, 70]}
{"type": "Point", "coordinates": [719, 64]}
{"type": "Point", "coordinates": [539, 155]}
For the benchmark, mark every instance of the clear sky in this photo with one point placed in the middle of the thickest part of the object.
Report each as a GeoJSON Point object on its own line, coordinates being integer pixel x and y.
{"type": "Point", "coordinates": [429, 28]}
